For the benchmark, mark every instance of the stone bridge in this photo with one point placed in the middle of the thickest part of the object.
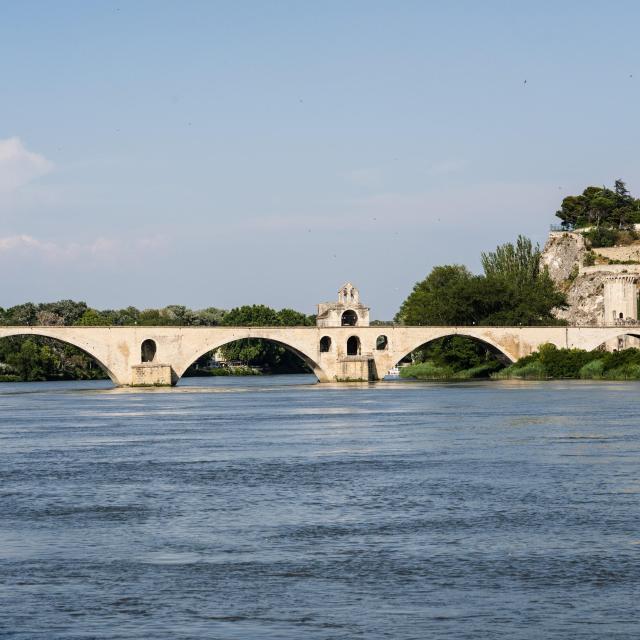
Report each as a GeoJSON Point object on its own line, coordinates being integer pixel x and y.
{"type": "Point", "coordinates": [161, 355]}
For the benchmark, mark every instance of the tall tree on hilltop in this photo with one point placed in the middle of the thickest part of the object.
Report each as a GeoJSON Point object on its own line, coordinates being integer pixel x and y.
{"type": "Point", "coordinates": [600, 206]}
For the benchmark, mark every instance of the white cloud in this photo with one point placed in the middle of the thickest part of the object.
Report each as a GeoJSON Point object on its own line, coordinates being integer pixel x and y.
{"type": "Point", "coordinates": [19, 166]}
{"type": "Point", "coordinates": [100, 249]}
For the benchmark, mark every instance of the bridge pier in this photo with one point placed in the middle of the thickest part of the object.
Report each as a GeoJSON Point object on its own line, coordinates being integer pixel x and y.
{"type": "Point", "coordinates": [149, 374]}
{"type": "Point", "coordinates": [355, 369]}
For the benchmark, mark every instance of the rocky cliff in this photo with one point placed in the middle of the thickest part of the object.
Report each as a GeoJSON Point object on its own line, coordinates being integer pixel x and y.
{"type": "Point", "coordinates": [564, 255]}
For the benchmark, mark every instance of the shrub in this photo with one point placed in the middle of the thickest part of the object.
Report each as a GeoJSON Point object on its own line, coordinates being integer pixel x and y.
{"type": "Point", "coordinates": [618, 359]}
{"type": "Point", "coordinates": [626, 372]}
{"type": "Point", "coordinates": [531, 370]}
{"type": "Point", "coordinates": [602, 237]}
{"type": "Point", "coordinates": [592, 370]}
{"type": "Point", "coordinates": [426, 371]}
{"type": "Point", "coordinates": [564, 363]}
{"type": "Point", "coordinates": [481, 371]}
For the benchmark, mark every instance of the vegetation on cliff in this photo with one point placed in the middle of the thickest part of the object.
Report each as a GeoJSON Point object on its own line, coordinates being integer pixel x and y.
{"type": "Point", "coordinates": [601, 206]}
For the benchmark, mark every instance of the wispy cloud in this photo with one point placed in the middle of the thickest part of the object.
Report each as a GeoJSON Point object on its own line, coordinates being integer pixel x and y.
{"type": "Point", "coordinates": [101, 248]}
{"type": "Point", "coordinates": [19, 166]}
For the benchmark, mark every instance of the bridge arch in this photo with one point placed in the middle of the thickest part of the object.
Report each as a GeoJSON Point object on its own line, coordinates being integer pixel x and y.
{"type": "Point", "coordinates": [213, 345]}
{"type": "Point", "coordinates": [41, 332]}
{"type": "Point", "coordinates": [495, 347]}
{"type": "Point", "coordinates": [619, 334]}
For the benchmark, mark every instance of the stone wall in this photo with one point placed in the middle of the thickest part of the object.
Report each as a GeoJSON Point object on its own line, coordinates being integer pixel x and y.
{"type": "Point", "coordinates": [629, 252]}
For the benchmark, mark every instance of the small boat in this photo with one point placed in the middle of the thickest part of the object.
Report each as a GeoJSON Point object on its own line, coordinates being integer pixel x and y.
{"type": "Point", "coordinates": [394, 372]}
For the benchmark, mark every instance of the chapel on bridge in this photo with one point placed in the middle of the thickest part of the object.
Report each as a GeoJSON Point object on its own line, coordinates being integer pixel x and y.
{"type": "Point", "coordinates": [347, 312]}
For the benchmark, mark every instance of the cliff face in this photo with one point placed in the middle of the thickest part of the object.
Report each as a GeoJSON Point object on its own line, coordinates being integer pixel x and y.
{"type": "Point", "coordinates": [585, 297]}
{"type": "Point", "coordinates": [562, 256]}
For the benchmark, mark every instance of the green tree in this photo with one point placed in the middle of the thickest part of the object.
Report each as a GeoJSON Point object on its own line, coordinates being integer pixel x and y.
{"type": "Point", "coordinates": [600, 205]}
{"type": "Point", "coordinates": [513, 291]}
{"type": "Point", "coordinates": [292, 318]}
{"type": "Point", "coordinates": [93, 318]}
{"type": "Point", "coordinates": [518, 263]}
{"type": "Point", "coordinates": [209, 317]}
{"type": "Point", "coordinates": [258, 352]}
{"type": "Point", "coordinates": [517, 290]}
{"type": "Point", "coordinates": [445, 297]}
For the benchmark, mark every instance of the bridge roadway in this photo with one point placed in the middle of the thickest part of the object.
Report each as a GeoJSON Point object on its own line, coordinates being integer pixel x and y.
{"type": "Point", "coordinates": [119, 350]}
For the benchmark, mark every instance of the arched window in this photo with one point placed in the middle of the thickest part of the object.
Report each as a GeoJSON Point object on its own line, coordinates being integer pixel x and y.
{"type": "Point", "coordinates": [353, 346]}
{"type": "Point", "coordinates": [349, 318]}
{"type": "Point", "coordinates": [621, 316]}
{"type": "Point", "coordinates": [382, 342]}
{"type": "Point", "coordinates": [147, 351]}
{"type": "Point", "coordinates": [325, 344]}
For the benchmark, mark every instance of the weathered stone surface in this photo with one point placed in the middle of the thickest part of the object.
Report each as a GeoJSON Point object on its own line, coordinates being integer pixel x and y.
{"type": "Point", "coordinates": [562, 252]}
{"type": "Point", "coordinates": [584, 287]}
{"type": "Point", "coordinates": [151, 375]}
{"type": "Point", "coordinates": [335, 314]}
{"type": "Point", "coordinates": [624, 253]}
{"type": "Point", "coordinates": [585, 299]}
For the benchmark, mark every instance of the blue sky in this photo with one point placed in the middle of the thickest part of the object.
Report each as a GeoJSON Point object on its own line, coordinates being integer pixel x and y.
{"type": "Point", "coordinates": [225, 153]}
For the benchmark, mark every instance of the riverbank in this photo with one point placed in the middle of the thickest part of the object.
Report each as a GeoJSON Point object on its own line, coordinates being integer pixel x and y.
{"type": "Point", "coordinates": [431, 371]}
{"type": "Point", "coordinates": [553, 363]}
{"type": "Point", "coordinates": [549, 363]}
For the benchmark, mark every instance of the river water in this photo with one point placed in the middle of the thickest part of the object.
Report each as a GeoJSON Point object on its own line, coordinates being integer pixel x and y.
{"type": "Point", "coordinates": [265, 507]}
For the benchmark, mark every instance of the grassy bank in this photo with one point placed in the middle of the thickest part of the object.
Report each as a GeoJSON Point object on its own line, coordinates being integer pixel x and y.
{"type": "Point", "coordinates": [431, 371]}
{"type": "Point", "coordinates": [551, 363]}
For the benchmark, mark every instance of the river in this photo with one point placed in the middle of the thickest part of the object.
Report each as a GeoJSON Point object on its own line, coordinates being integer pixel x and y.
{"type": "Point", "coordinates": [268, 507]}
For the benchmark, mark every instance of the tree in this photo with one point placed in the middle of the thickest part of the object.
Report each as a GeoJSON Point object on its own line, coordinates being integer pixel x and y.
{"type": "Point", "coordinates": [513, 291]}
{"type": "Point", "coordinates": [600, 205]}
{"type": "Point", "coordinates": [518, 263]}
{"type": "Point", "coordinates": [209, 317]}
{"type": "Point", "coordinates": [255, 315]}
{"type": "Point", "coordinates": [292, 318]}
{"type": "Point", "coordinates": [263, 352]}
{"type": "Point", "coordinates": [444, 297]}
{"type": "Point", "coordinates": [93, 318]}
